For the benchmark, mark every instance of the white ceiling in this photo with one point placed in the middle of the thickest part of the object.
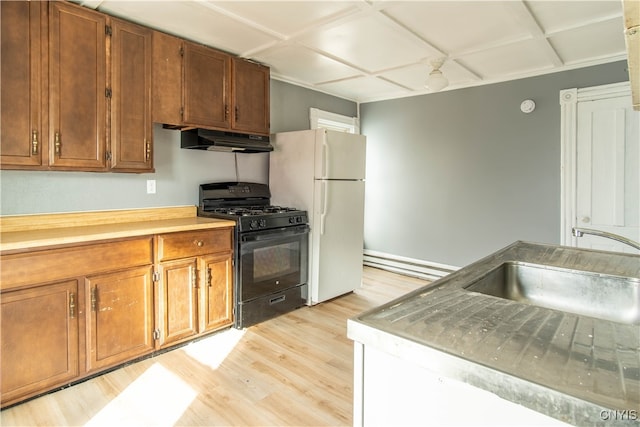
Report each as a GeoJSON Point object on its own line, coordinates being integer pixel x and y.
{"type": "Point", "coordinates": [372, 50]}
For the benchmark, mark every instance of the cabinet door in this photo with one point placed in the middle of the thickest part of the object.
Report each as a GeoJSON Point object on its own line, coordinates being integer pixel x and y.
{"type": "Point", "coordinates": [39, 339]}
{"type": "Point", "coordinates": [131, 129]}
{"type": "Point", "coordinates": [206, 87]}
{"type": "Point", "coordinates": [77, 84]}
{"type": "Point", "coordinates": [21, 121]}
{"type": "Point", "coordinates": [167, 79]}
{"type": "Point", "coordinates": [178, 300]}
{"type": "Point", "coordinates": [250, 97]}
{"type": "Point", "coordinates": [120, 310]}
{"type": "Point", "coordinates": [216, 292]}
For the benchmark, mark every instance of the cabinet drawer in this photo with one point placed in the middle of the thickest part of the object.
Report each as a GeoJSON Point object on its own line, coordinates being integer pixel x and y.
{"type": "Point", "coordinates": [193, 243]}
{"type": "Point", "coordinates": [74, 261]}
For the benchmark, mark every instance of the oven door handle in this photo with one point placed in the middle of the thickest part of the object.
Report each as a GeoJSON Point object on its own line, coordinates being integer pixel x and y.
{"type": "Point", "coordinates": [277, 233]}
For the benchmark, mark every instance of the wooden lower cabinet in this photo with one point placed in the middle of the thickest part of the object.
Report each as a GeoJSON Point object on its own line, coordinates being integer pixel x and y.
{"type": "Point", "coordinates": [39, 339]}
{"type": "Point", "coordinates": [121, 316]}
{"type": "Point", "coordinates": [216, 292]}
{"type": "Point", "coordinates": [68, 312]}
{"type": "Point", "coordinates": [72, 311]}
{"type": "Point", "coordinates": [195, 291]}
{"type": "Point", "coordinates": [178, 300]}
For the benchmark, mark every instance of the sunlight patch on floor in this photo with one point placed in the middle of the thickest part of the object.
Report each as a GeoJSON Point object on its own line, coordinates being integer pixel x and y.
{"type": "Point", "coordinates": [157, 397]}
{"type": "Point", "coordinates": [213, 350]}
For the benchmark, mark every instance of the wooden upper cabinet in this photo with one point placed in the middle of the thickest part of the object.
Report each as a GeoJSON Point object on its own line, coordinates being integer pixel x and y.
{"type": "Point", "coordinates": [131, 127]}
{"type": "Point", "coordinates": [197, 86]}
{"type": "Point", "coordinates": [191, 84]}
{"type": "Point", "coordinates": [206, 86]}
{"type": "Point", "coordinates": [77, 87]}
{"type": "Point", "coordinates": [250, 97]}
{"type": "Point", "coordinates": [22, 141]}
{"type": "Point", "coordinates": [167, 78]}
{"type": "Point", "coordinates": [85, 103]}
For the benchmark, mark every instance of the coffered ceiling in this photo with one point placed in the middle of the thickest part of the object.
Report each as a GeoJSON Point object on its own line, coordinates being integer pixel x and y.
{"type": "Point", "coordinates": [371, 50]}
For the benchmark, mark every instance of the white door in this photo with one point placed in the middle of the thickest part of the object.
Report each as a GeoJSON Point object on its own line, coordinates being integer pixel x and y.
{"type": "Point", "coordinates": [607, 171]}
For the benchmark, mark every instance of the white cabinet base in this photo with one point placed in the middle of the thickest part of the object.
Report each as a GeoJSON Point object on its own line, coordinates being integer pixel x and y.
{"type": "Point", "coordinates": [389, 391]}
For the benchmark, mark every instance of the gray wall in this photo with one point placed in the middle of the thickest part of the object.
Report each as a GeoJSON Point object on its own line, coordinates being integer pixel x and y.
{"type": "Point", "coordinates": [290, 106]}
{"type": "Point", "coordinates": [456, 175]}
{"type": "Point", "coordinates": [178, 172]}
{"type": "Point", "coordinates": [451, 176]}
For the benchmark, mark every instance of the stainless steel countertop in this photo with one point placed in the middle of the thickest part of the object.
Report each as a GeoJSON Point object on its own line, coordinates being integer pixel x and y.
{"type": "Point", "coordinates": [568, 366]}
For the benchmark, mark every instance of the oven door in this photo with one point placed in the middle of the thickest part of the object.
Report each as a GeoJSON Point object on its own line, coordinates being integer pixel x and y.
{"type": "Point", "coordinates": [272, 260]}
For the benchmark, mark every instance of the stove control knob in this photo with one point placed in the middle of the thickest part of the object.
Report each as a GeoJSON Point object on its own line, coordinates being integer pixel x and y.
{"type": "Point", "coordinates": [292, 220]}
{"type": "Point", "coordinates": [253, 224]}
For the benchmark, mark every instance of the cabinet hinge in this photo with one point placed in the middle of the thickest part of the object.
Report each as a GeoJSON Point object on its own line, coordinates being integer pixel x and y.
{"type": "Point", "coordinates": [107, 30]}
{"type": "Point", "coordinates": [107, 155]}
{"type": "Point", "coordinates": [181, 51]}
{"type": "Point", "coordinates": [182, 113]}
{"type": "Point", "coordinates": [156, 334]}
{"type": "Point", "coordinates": [156, 276]}
{"type": "Point", "coordinates": [107, 93]}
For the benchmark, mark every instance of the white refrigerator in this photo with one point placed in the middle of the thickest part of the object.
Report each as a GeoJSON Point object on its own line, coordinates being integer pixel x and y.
{"type": "Point", "coordinates": [322, 172]}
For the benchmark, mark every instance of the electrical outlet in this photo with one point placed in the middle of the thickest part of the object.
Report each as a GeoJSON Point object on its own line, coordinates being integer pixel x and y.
{"type": "Point", "coordinates": [151, 186]}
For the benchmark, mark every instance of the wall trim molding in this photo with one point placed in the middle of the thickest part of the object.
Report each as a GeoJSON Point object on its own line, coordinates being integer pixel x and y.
{"type": "Point", "coordinates": [407, 266]}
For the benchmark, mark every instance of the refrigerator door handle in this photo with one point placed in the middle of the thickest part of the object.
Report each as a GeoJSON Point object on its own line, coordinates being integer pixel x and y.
{"type": "Point", "coordinates": [323, 212]}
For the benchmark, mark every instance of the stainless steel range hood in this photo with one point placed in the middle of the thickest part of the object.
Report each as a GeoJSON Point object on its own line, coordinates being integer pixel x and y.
{"type": "Point", "coordinates": [213, 140]}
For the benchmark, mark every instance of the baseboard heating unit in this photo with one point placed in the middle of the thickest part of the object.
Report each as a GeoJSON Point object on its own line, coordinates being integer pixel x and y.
{"type": "Point", "coordinates": [407, 266]}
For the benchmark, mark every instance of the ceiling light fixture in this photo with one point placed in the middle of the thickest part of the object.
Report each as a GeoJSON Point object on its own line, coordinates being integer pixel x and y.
{"type": "Point", "coordinates": [436, 81]}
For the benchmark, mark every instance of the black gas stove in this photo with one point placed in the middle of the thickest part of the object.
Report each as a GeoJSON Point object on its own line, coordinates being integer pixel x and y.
{"type": "Point", "coordinates": [271, 251]}
{"type": "Point", "coordinates": [246, 203]}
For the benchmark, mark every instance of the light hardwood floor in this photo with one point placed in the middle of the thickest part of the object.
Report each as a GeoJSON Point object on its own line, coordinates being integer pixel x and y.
{"type": "Point", "coordinates": [294, 370]}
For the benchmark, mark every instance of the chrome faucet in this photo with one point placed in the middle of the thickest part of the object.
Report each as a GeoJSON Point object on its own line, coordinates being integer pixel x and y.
{"type": "Point", "coordinates": [579, 232]}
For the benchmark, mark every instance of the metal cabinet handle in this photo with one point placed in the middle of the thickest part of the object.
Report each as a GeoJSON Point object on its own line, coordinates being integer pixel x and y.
{"type": "Point", "coordinates": [72, 305]}
{"type": "Point", "coordinates": [94, 298]}
{"type": "Point", "coordinates": [198, 243]}
{"type": "Point", "coordinates": [193, 272]}
{"type": "Point", "coordinates": [34, 142]}
{"type": "Point", "coordinates": [148, 148]}
{"type": "Point", "coordinates": [57, 143]}
{"type": "Point", "coordinates": [209, 277]}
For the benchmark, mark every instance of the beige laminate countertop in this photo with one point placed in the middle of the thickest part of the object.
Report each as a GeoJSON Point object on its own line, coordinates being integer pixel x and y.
{"type": "Point", "coordinates": [38, 231]}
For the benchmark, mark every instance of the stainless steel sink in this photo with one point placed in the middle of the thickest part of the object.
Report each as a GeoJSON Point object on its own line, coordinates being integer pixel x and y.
{"type": "Point", "coordinates": [602, 296]}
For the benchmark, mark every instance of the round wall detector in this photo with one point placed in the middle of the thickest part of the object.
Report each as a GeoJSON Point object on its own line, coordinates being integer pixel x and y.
{"type": "Point", "coordinates": [527, 106]}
